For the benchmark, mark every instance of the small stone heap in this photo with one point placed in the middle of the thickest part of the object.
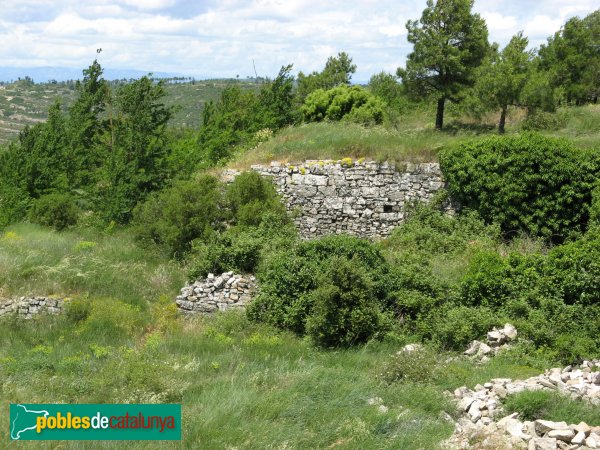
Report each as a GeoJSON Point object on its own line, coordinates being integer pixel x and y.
{"type": "Point", "coordinates": [481, 407]}
{"type": "Point", "coordinates": [216, 293]}
{"type": "Point", "coordinates": [497, 339]}
{"type": "Point", "coordinates": [28, 307]}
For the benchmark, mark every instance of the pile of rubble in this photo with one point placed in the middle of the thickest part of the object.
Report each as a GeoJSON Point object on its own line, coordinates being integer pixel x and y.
{"type": "Point", "coordinates": [481, 406]}
{"type": "Point", "coordinates": [216, 293]}
{"type": "Point", "coordinates": [497, 339]}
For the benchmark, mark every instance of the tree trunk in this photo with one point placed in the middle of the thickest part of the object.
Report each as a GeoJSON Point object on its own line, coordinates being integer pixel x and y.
{"type": "Point", "coordinates": [502, 120]}
{"type": "Point", "coordinates": [439, 118]}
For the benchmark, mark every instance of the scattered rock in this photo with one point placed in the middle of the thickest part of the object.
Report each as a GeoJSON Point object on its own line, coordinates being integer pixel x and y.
{"type": "Point", "coordinates": [481, 405]}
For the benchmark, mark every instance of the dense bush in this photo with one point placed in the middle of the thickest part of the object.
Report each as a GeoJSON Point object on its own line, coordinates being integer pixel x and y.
{"type": "Point", "coordinates": [351, 103]}
{"type": "Point", "coordinates": [539, 185]}
{"type": "Point", "coordinates": [250, 197]}
{"type": "Point", "coordinates": [258, 224]}
{"type": "Point", "coordinates": [345, 310]}
{"type": "Point", "coordinates": [176, 216]}
{"type": "Point", "coordinates": [542, 120]}
{"type": "Point", "coordinates": [58, 211]}
{"type": "Point", "coordinates": [290, 278]}
{"type": "Point", "coordinates": [241, 248]}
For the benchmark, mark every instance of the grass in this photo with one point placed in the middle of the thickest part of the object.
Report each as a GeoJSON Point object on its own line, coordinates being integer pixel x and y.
{"type": "Point", "coordinates": [35, 260]}
{"type": "Point", "coordinates": [337, 140]}
{"type": "Point", "coordinates": [552, 406]}
{"type": "Point", "coordinates": [241, 385]}
{"type": "Point", "coordinates": [410, 138]}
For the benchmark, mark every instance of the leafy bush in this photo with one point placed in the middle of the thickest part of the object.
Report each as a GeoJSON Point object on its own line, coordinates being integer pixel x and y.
{"type": "Point", "coordinates": [418, 365]}
{"type": "Point", "coordinates": [427, 230]}
{"type": "Point", "coordinates": [453, 326]}
{"type": "Point", "coordinates": [58, 211]}
{"type": "Point", "coordinates": [290, 277]}
{"type": "Point", "coordinates": [345, 310]}
{"type": "Point", "coordinates": [539, 185]}
{"type": "Point", "coordinates": [542, 120]}
{"type": "Point", "coordinates": [176, 216]}
{"type": "Point", "coordinates": [250, 197]}
{"type": "Point", "coordinates": [351, 103]}
{"type": "Point", "coordinates": [110, 320]}
{"type": "Point", "coordinates": [595, 208]}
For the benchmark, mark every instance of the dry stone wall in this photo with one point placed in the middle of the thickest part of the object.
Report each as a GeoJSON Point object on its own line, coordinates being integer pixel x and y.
{"type": "Point", "coordinates": [28, 307]}
{"type": "Point", "coordinates": [367, 199]}
{"type": "Point", "coordinates": [216, 293]}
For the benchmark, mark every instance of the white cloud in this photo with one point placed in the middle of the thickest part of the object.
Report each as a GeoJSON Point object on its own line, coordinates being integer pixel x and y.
{"type": "Point", "coordinates": [221, 37]}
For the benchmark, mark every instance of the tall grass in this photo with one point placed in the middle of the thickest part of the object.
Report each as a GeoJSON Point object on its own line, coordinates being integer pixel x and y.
{"type": "Point", "coordinates": [241, 385]}
{"type": "Point", "coordinates": [409, 137]}
{"type": "Point", "coordinates": [36, 260]}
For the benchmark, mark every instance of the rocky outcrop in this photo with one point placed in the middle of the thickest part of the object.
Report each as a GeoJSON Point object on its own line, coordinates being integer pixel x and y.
{"type": "Point", "coordinates": [29, 307]}
{"type": "Point", "coordinates": [367, 199]}
{"type": "Point", "coordinates": [216, 293]}
{"type": "Point", "coordinates": [482, 406]}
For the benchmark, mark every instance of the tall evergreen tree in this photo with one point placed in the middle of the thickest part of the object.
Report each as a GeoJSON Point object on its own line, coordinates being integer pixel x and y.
{"type": "Point", "coordinates": [501, 79]}
{"type": "Point", "coordinates": [450, 41]}
{"type": "Point", "coordinates": [572, 58]}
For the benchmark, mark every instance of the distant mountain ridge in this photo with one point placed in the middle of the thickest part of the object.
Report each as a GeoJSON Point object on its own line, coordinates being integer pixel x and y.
{"type": "Point", "coordinates": [45, 74]}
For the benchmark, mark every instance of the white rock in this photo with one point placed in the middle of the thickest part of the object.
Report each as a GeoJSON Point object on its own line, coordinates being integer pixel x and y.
{"type": "Point", "coordinates": [510, 331]}
{"type": "Point", "coordinates": [542, 444]}
{"type": "Point", "coordinates": [544, 426]}
{"type": "Point", "coordinates": [466, 403]}
{"type": "Point", "coordinates": [474, 412]}
{"type": "Point", "coordinates": [579, 438]}
{"type": "Point", "coordinates": [514, 427]}
{"type": "Point", "coordinates": [562, 435]}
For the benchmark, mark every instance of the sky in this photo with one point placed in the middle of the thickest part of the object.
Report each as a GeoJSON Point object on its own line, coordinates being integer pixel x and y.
{"type": "Point", "coordinates": [214, 39]}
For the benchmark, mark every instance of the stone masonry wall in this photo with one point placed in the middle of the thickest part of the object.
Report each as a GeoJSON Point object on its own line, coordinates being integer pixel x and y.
{"type": "Point", "coordinates": [28, 307]}
{"type": "Point", "coordinates": [216, 293]}
{"type": "Point", "coordinates": [367, 199]}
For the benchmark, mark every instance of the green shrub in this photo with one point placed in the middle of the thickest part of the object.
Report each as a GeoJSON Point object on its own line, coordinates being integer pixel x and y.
{"type": "Point", "coordinates": [289, 277]}
{"type": "Point", "coordinates": [453, 327]}
{"type": "Point", "coordinates": [250, 197]}
{"type": "Point", "coordinates": [345, 310]}
{"type": "Point", "coordinates": [110, 320]}
{"type": "Point", "coordinates": [78, 310]}
{"type": "Point", "coordinates": [527, 183]}
{"type": "Point", "coordinates": [542, 120]}
{"type": "Point", "coordinates": [595, 208]}
{"type": "Point", "coordinates": [575, 268]}
{"type": "Point", "coordinates": [351, 103]}
{"type": "Point", "coordinates": [427, 230]}
{"type": "Point", "coordinates": [54, 210]}
{"type": "Point", "coordinates": [234, 250]}
{"type": "Point", "coordinates": [176, 216]}
{"type": "Point", "coordinates": [417, 366]}
{"type": "Point", "coordinates": [14, 203]}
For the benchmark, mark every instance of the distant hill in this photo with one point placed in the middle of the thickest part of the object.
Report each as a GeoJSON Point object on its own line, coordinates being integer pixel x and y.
{"type": "Point", "coordinates": [24, 103]}
{"type": "Point", "coordinates": [45, 74]}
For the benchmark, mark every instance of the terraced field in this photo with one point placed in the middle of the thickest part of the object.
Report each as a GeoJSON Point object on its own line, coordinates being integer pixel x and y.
{"type": "Point", "coordinates": [23, 103]}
